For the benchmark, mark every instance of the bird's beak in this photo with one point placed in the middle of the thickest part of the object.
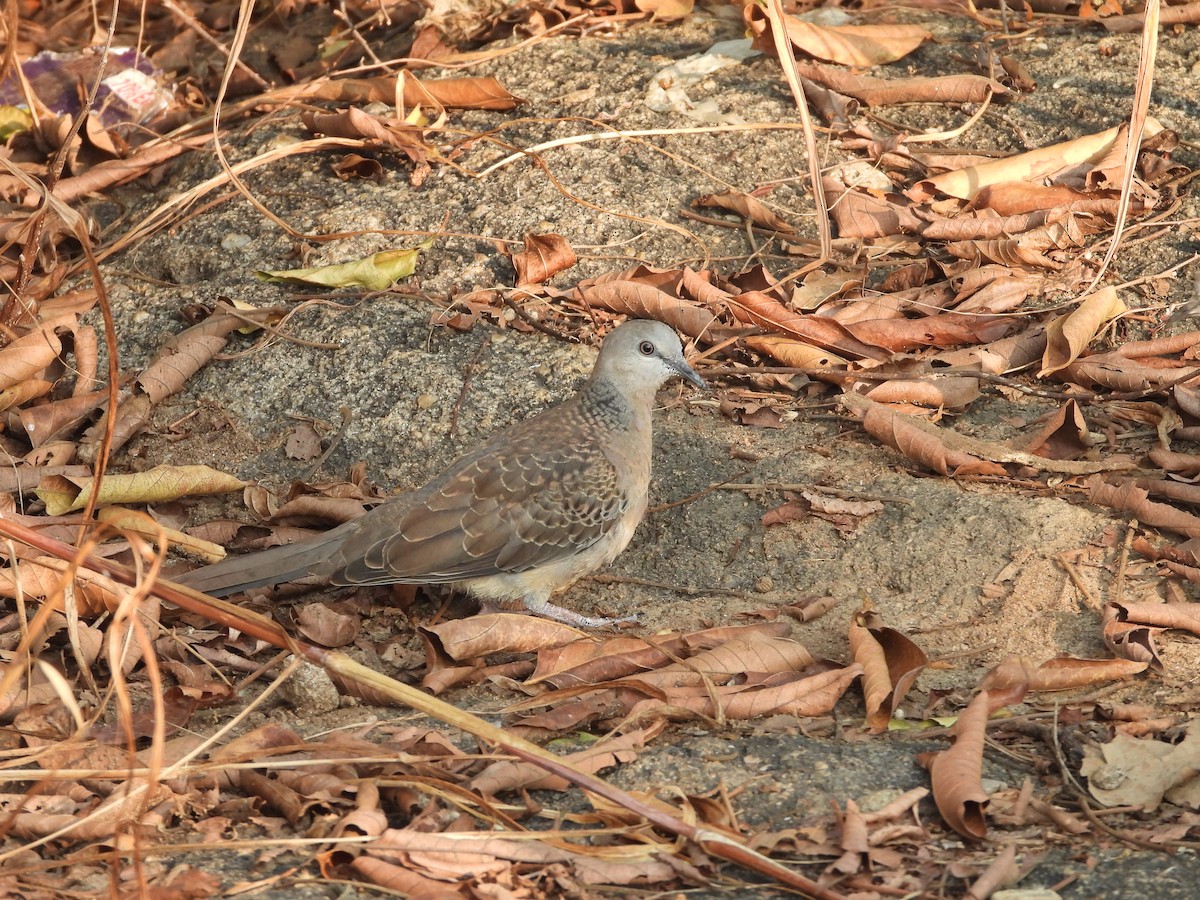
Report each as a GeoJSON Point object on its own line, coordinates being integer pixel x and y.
{"type": "Point", "coordinates": [687, 373]}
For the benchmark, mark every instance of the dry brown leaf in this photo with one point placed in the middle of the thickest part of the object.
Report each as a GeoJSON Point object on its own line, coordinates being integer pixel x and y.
{"type": "Point", "coordinates": [1132, 772]}
{"type": "Point", "coordinates": [956, 773]}
{"type": "Point", "coordinates": [327, 627]}
{"type": "Point", "coordinates": [998, 357]}
{"type": "Point", "coordinates": [948, 392]}
{"type": "Point", "coordinates": [354, 123]}
{"type": "Point", "coordinates": [450, 93]}
{"type": "Point", "coordinates": [999, 294]}
{"type": "Point", "coordinates": [666, 10]}
{"type": "Point", "coordinates": [790, 693]}
{"type": "Point", "coordinates": [764, 311]}
{"type": "Point", "coordinates": [477, 636]}
{"type": "Point", "coordinates": [873, 91]}
{"type": "Point", "coordinates": [1119, 373]}
{"type": "Point", "coordinates": [41, 577]}
{"type": "Point", "coordinates": [848, 45]}
{"type": "Point", "coordinates": [1130, 498]}
{"type": "Point", "coordinates": [1031, 166]}
{"type": "Point", "coordinates": [794, 353]}
{"type": "Point", "coordinates": [891, 663]}
{"type": "Point", "coordinates": [747, 207]}
{"type": "Point", "coordinates": [918, 443]}
{"type": "Point", "coordinates": [1011, 198]}
{"type": "Point", "coordinates": [730, 662]}
{"type": "Point", "coordinates": [1058, 674]}
{"type": "Point", "coordinates": [25, 357]}
{"type": "Point", "coordinates": [59, 419]}
{"type": "Point", "coordinates": [1068, 336]}
{"type": "Point", "coordinates": [508, 775]}
{"type": "Point", "coordinates": [1130, 641]}
{"type": "Point", "coordinates": [946, 447]}
{"type": "Point", "coordinates": [646, 302]}
{"type": "Point", "coordinates": [1183, 616]}
{"type": "Point", "coordinates": [544, 256]}
{"type": "Point", "coordinates": [592, 661]}
{"type": "Point", "coordinates": [1064, 436]}
{"type": "Point", "coordinates": [862, 215]}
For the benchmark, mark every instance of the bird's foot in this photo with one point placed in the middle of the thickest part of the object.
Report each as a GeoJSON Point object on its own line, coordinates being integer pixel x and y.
{"type": "Point", "coordinates": [540, 606]}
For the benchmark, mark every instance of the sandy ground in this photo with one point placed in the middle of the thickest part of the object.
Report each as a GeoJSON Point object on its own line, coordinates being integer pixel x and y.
{"type": "Point", "coordinates": [972, 571]}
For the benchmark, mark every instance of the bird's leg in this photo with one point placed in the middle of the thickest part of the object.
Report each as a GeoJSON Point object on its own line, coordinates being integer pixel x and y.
{"type": "Point", "coordinates": [539, 604]}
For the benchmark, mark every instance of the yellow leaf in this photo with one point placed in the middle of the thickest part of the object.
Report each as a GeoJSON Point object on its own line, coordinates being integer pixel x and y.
{"type": "Point", "coordinates": [376, 272]}
{"type": "Point", "coordinates": [62, 495]}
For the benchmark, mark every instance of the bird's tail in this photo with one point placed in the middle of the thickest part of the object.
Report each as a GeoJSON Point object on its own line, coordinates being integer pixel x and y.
{"type": "Point", "coordinates": [265, 567]}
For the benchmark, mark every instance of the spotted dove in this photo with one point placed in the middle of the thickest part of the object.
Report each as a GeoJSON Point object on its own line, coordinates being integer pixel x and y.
{"type": "Point", "coordinates": [543, 503]}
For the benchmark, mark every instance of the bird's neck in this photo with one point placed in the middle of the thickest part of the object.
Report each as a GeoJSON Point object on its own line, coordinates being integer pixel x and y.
{"type": "Point", "coordinates": [611, 407]}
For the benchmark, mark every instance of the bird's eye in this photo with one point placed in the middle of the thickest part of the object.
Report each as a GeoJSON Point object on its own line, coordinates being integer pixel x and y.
{"type": "Point", "coordinates": [646, 348]}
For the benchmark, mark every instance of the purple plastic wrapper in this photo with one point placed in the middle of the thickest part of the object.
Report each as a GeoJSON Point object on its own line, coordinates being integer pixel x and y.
{"type": "Point", "coordinates": [130, 93]}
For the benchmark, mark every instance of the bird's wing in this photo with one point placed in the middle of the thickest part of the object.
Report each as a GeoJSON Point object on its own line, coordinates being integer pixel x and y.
{"type": "Point", "coordinates": [526, 505]}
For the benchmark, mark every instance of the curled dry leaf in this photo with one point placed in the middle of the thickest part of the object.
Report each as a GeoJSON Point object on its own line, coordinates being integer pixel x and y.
{"type": "Point", "coordinates": [508, 775]}
{"type": "Point", "coordinates": [747, 207]}
{"type": "Point", "coordinates": [1119, 373]}
{"type": "Point", "coordinates": [476, 636]}
{"type": "Point", "coordinates": [791, 352]}
{"type": "Point", "coordinates": [138, 522]}
{"type": "Point", "coordinates": [1130, 498]}
{"type": "Point", "coordinates": [25, 357]}
{"type": "Point", "coordinates": [891, 663]}
{"type": "Point", "coordinates": [544, 256]}
{"type": "Point", "coordinates": [762, 310]}
{"type": "Point", "coordinates": [922, 445]}
{"type": "Point", "coordinates": [872, 91]}
{"type": "Point", "coordinates": [998, 357]}
{"type": "Point", "coordinates": [956, 773]}
{"type": "Point", "coordinates": [1002, 872]}
{"type": "Point", "coordinates": [354, 123]}
{"type": "Point", "coordinates": [22, 393]}
{"type": "Point", "coordinates": [865, 216]}
{"type": "Point", "coordinates": [647, 302]}
{"type": "Point", "coordinates": [1064, 436]}
{"type": "Point", "coordinates": [941, 330]}
{"type": "Point", "coordinates": [179, 358]}
{"type": "Point", "coordinates": [936, 392]}
{"type": "Point", "coordinates": [1031, 166]}
{"type": "Point", "coordinates": [945, 447]}
{"type": "Point", "coordinates": [848, 45]}
{"type": "Point", "coordinates": [1068, 336]}
{"type": "Point", "coordinates": [1129, 640]}
{"type": "Point", "coordinates": [731, 662]}
{"type": "Point", "coordinates": [1182, 616]}
{"type": "Point", "coordinates": [376, 272]}
{"type": "Point", "coordinates": [594, 661]}
{"type": "Point", "coordinates": [854, 842]}
{"type": "Point", "coordinates": [666, 10]}
{"type": "Point", "coordinates": [1058, 674]}
{"type": "Point", "coordinates": [792, 693]}
{"type": "Point", "coordinates": [451, 93]}
{"type": "Point", "coordinates": [1187, 464]}
{"type": "Point", "coordinates": [50, 422]}
{"type": "Point", "coordinates": [327, 627]}
{"type": "Point", "coordinates": [1011, 198]}
{"type": "Point", "coordinates": [353, 165]}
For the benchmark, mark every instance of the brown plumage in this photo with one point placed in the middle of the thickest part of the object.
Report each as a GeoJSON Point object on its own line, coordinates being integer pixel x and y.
{"type": "Point", "coordinates": [543, 503]}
